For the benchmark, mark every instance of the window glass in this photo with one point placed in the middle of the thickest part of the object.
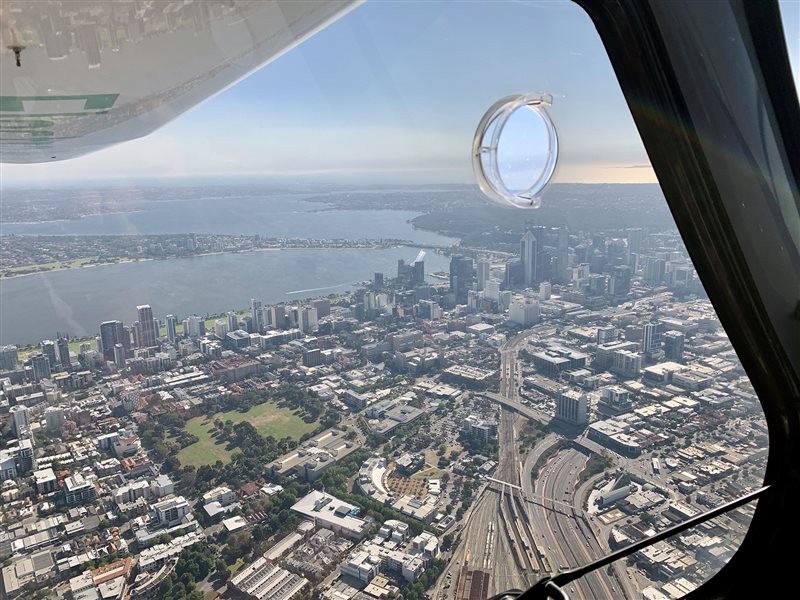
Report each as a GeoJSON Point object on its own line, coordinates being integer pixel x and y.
{"type": "Point", "coordinates": [289, 325]}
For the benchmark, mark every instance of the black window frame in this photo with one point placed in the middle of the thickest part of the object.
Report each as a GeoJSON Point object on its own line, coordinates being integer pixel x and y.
{"type": "Point", "coordinates": [728, 223]}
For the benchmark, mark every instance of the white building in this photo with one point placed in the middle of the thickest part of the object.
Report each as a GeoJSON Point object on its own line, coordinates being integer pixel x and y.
{"type": "Point", "coordinates": [171, 511]}
{"type": "Point", "coordinates": [524, 310]}
{"type": "Point", "coordinates": [361, 565]}
{"type": "Point", "coordinates": [20, 419]}
{"type": "Point", "coordinates": [572, 406]}
{"type": "Point", "coordinates": [77, 489]}
{"type": "Point", "coordinates": [332, 513]}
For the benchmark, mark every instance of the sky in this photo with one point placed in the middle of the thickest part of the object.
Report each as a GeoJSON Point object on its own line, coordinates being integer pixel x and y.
{"type": "Point", "coordinates": [392, 93]}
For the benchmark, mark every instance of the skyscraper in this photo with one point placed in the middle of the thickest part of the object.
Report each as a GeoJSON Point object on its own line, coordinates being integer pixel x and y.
{"type": "Point", "coordinates": [221, 328]}
{"type": "Point", "coordinates": [147, 332]}
{"type": "Point", "coordinates": [63, 353]}
{"type": "Point", "coordinates": [193, 326]}
{"type": "Point", "coordinates": [40, 365]}
{"type": "Point", "coordinates": [279, 316]}
{"type": "Point", "coordinates": [655, 270]}
{"type": "Point", "coordinates": [111, 333]}
{"type": "Point", "coordinates": [635, 237]}
{"type": "Point", "coordinates": [20, 419]}
{"type": "Point", "coordinates": [418, 273]}
{"type": "Point", "coordinates": [484, 266]}
{"type": "Point", "coordinates": [172, 328]}
{"type": "Point", "coordinates": [527, 252]}
{"type": "Point", "coordinates": [619, 284]}
{"type": "Point", "coordinates": [258, 320]}
{"type": "Point", "coordinates": [673, 345]}
{"type": "Point", "coordinates": [308, 319]}
{"type": "Point", "coordinates": [49, 350]}
{"type": "Point", "coordinates": [461, 277]}
{"type": "Point", "coordinates": [9, 358]}
{"type": "Point", "coordinates": [323, 307]}
{"type": "Point", "coordinates": [233, 321]}
{"type": "Point", "coordinates": [119, 356]}
{"type": "Point", "coordinates": [572, 406]}
{"type": "Point", "coordinates": [562, 253]}
{"type": "Point", "coordinates": [651, 337]}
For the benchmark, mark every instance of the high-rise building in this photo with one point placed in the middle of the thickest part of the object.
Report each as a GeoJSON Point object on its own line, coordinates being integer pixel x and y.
{"type": "Point", "coordinates": [54, 417]}
{"type": "Point", "coordinates": [194, 327]}
{"type": "Point", "coordinates": [40, 366]}
{"type": "Point", "coordinates": [63, 353]}
{"type": "Point", "coordinates": [545, 290]}
{"type": "Point", "coordinates": [673, 345]}
{"type": "Point", "coordinates": [484, 267]}
{"type": "Point", "coordinates": [26, 461]}
{"type": "Point", "coordinates": [562, 253]}
{"type": "Point", "coordinates": [461, 277]}
{"type": "Point", "coordinates": [172, 327]}
{"type": "Point", "coordinates": [279, 316]}
{"type": "Point", "coordinates": [527, 254]}
{"type": "Point", "coordinates": [429, 309]}
{"type": "Point", "coordinates": [492, 290]}
{"type": "Point", "coordinates": [377, 281]}
{"type": "Point", "coordinates": [233, 321]}
{"type": "Point", "coordinates": [20, 419]}
{"type": "Point", "coordinates": [607, 334]}
{"type": "Point", "coordinates": [651, 337]}
{"type": "Point", "coordinates": [573, 407]}
{"type": "Point", "coordinates": [627, 364]}
{"type": "Point", "coordinates": [258, 320]}
{"type": "Point", "coordinates": [9, 358]}
{"type": "Point", "coordinates": [655, 269]}
{"type": "Point", "coordinates": [418, 273]}
{"type": "Point", "coordinates": [635, 237]}
{"type": "Point", "coordinates": [312, 357]}
{"type": "Point", "coordinates": [147, 333]}
{"type": "Point", "coordinates": [614, 400]}
{"type": "Point", "coordinates": [119, 356]}
{"type": "Point", "coordinates": [619, 284]}
{"type": "Point", "coordinates": [597, 284]}
{"type": "Point", "coordinates": [49, 350]}
{"type": "Point", "coordinates": [524, 310]}
{"type": "Point", "coordinates": [111, 333]}
{"type": "Point", "coordinates": [221, 328]}
{"type": "Point", "coordinates": [323, 306]}
{"type": "Point", "coordinates": [308, 319]}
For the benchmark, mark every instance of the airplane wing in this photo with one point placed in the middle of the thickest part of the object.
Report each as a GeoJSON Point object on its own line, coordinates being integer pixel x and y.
{"type": "Point", "coordinates": [82, 75]}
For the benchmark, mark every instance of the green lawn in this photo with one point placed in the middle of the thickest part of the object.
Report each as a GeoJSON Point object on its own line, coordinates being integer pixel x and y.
{"type": "Point", "coordinates": [53, 266]}
{"type": "Point", "coordinates": [429, 473]}
{"type": "Point", "coordinates": [267, 418]}
{"type": "Point", "coordinates": [74, 347]}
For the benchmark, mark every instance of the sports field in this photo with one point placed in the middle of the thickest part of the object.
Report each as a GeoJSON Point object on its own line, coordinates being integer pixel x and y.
{"type": "Point", "coordinates": [268, 419]}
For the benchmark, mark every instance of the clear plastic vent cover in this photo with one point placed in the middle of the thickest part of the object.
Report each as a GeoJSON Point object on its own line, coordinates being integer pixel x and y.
{"type": "Point", "coordinates": [515, 150]}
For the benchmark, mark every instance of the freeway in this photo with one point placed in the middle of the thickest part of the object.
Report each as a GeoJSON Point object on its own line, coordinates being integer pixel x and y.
{"type": "Point", "coordinates": [557, 528]}
{"type": "Point", "coordinates": [571, 544]}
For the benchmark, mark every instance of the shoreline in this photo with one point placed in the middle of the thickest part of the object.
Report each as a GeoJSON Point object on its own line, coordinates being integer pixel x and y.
{"type": "Point", "coordinates": [242, 251]}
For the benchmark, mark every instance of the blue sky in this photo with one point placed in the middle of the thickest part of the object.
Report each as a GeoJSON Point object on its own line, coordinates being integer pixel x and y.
{"type": "Point", "coordinates": [392, 93]}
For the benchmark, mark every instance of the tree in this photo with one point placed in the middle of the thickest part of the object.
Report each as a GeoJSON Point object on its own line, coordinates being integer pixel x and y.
{"type": "Point", "coordinates": [221, 570]}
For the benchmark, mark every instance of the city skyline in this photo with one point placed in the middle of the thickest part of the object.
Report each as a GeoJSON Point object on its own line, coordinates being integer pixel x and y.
{"type": "Point", "coordinates": [434, 398]}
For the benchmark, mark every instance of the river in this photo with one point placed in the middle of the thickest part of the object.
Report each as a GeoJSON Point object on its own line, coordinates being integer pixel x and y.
{"type": "Point", "coordinates": [75, 302]}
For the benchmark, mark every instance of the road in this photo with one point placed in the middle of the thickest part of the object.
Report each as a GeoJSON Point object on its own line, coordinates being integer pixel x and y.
{"type": "Point", "coordinates": [569, 543]}
{"type": "Point", "coordinates": [490, 528]}
{"type": "Point", "coordinates": [557, 526]}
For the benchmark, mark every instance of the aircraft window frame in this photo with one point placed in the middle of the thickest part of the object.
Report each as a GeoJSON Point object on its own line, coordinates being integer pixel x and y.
{"type": "Point", "coordinates": [759, 326]}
